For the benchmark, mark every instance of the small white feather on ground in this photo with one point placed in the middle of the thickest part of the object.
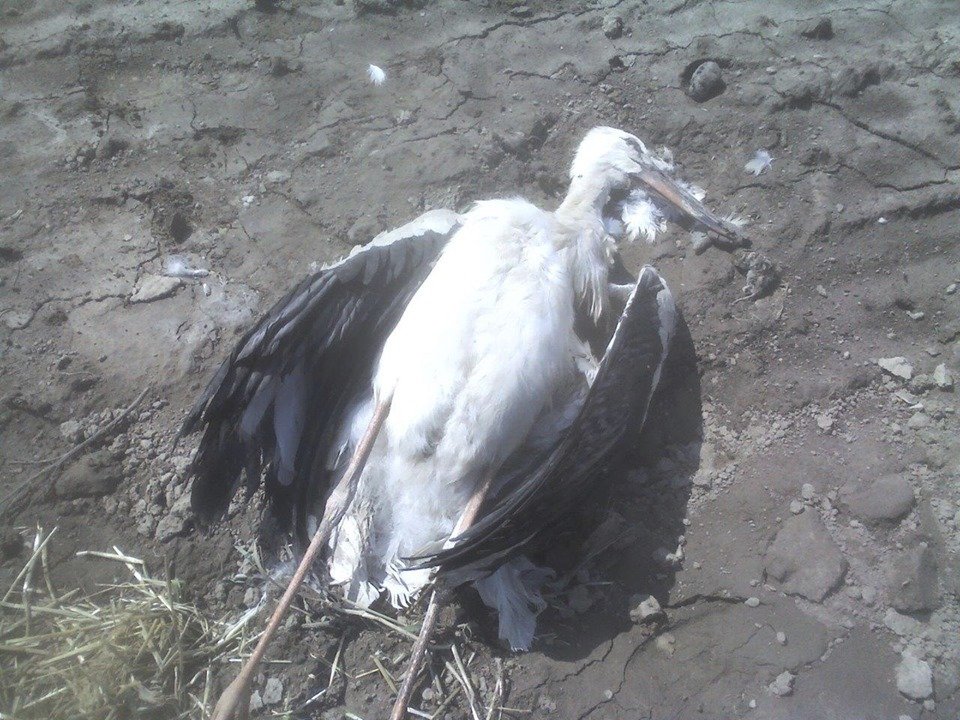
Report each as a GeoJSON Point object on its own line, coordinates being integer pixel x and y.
{"type": "Point", "coordinates": [377, 75]}
{"type": "Point", "coordinates": [760, 162]}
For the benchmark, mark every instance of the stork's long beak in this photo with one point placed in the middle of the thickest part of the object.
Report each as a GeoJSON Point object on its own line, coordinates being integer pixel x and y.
{"type": "Point", "coordinates": [657, 182]}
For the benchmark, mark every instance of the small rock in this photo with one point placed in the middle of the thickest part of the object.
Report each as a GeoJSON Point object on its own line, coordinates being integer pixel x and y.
{"type": "Point", "coordinates": [797, 507]}
{"type": "Point", "coordinates": [362, 230]}
{"type": "Point", "coordinates": [822, 30]}
{"type": "Point", "coordinates": [951, 288]}
{"type": "Point", "coordinates": [154, 287]}
{"type": "Point", "coordinates": [916, 314]}
{"type": "Point", "coordinates": [613, 26]}
{"type": "Point", "coordinates": [914, 678]}
{"type": "Point", "coordinates": [942, 377]}
{"type": "Point", "coordinates": [521, 11]}
{"type": "Point", "coordinates": [824, 422]}
{"type": "Point", "coordinates": [256, 701]}
{"type": "Point", "coordinates": [706, 82]}
{"type": "Point", "coordinates": [885, 501]}
{"type": "Point", "coordinates": [896, 366]}
{"type": "Point", "coordinates": [71, 431]}
{"type": "Point", "coordinates": [781, 638]}
{"type": "Point", "coordinates": [272, 692]}
{"type": "Point", "coordinates": [752, 602]}
{"type": "Point", "coordinates": [666, 642]}
{"type": "Point", "coordinates": [914, 583]}
{"type": "Point", "coordinates": [646, 609]}
{"type": "Point", "coordinates": [804, 559]}
{"type": "Point", "coordinates": [918, 421]}
{"type": "Point", "coordinates": [783, 685]}
{"type": "Point", "coordinates": [869, 595]}
{"type": "Point", "coordinates": [251, 598]}
{"type": "Point", "coordinates": [901, 624]}
{"type": "Point", "coordinates": [752, 704]}
{"type": "Point", "coordinates": [276, 177]}
{"type": "Point", "coordinates": [808, 491]}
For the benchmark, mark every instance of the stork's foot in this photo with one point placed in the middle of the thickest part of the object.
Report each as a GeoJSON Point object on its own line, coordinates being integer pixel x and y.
{"type": "Point", "coordinates": [762, 274]}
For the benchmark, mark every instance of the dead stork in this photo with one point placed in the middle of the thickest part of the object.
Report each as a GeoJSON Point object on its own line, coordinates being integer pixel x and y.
{"type": "Point", "coordinates": [429, 409]}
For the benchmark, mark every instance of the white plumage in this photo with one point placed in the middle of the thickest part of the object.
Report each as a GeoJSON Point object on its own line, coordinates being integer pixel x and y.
{"type": "Point", "coordinates": [376, 74]}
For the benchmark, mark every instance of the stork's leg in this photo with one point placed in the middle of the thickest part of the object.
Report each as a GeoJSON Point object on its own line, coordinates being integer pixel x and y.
{"type": "Point", "coordinates": [438, 599]}
{"type": "Point", "coordinates": [235, 700]}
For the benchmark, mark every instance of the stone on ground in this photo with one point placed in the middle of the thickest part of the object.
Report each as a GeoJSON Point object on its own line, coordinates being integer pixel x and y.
{"type": "Point", "coordinates": [804, 559]}
{"type": "Point", "coordinates": [914, 678]}
{"type": "Point", "coordinates": [914, 585]}
{"type": "Point", "coordinates": [885, 501]}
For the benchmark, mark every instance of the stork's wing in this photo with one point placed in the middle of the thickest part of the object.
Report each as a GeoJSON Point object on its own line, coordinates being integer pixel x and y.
{"type": "Point", "coordinates": [288, 381]}
{"type": "Point", "coordinates": [615, 408]}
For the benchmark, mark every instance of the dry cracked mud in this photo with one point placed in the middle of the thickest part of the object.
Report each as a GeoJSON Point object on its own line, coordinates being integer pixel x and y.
{"type": "Point", "coordinates": [814, 494]}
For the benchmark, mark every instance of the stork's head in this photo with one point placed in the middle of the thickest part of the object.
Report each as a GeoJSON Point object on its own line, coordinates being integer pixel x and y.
{"type": "Point", "coordinates": [610, 158]}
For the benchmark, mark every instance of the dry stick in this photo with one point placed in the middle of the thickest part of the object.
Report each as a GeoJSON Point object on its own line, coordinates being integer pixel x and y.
{"type": "Point", "coordinates": [437, 600]}
{"type": "Point", "coordinates": [12, 496]}
{"type": "Point", "coordinates": [235, 700]}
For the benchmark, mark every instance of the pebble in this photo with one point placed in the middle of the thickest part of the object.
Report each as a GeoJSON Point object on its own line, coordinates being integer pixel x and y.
{"type": "Point", "coordinates": [613, 26]}
{"type": "Point", "coordinates": [808, 491]}
{"type": "Point", "coordinates": [706, 82]}
{"type": "Point", "coordinates": [781, 638]}
{"type": "Point", "coordinates": [916, 314]}
{"type": "Point", "coordinates": [942, 377]}
{"type": "Point", "coordinates": [914, 678]}
{"type": "Point", "coordinates": [804, 559]}
{"type": "Point", "coordinates": [783, 685]}
{"type": "Point", "coordinates": [272, 692]}
{"type": "Point", "coordinates": [797, 507]}
{"type": "Point", "coordinates": [666, 642]}
{"type": "Point", "coordinates": [154, 287]}
{"type": "Point", "coordinates": [824, 422]}
{"type": "Point", "coordinates": [896, 366]}
{"type": "Point", "coordinates": [918, 421]}
{"type": "Point", "coordinates": [71, 431]}
{"type": "Point", "coordinates": [647, 609]}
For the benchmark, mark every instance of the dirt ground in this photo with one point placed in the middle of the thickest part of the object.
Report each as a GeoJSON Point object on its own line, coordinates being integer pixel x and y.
{"type": "Point", "coordinates": [819, 516]}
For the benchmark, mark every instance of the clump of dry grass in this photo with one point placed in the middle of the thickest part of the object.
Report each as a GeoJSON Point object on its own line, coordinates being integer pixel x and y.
{"type": "Point", "coordinates": [133, 649]}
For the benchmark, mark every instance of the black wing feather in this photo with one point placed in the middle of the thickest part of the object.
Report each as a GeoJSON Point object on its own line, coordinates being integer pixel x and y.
{"type": "Point", "coordinates": [614, 409]}
{"type": "Point", "coordinates": [275, 402]}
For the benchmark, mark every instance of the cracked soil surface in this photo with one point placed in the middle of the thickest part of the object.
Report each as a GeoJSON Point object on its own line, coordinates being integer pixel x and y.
{"type": "Point", "coordinates": [815, 496]}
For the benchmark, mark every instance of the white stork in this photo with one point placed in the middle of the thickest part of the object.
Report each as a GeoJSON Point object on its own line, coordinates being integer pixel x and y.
{"type": "Point", "coordinates": [429, 409]}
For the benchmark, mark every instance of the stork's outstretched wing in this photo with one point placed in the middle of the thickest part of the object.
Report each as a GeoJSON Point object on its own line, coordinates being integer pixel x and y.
{"type": "Point", "coordinates": [571, 474]}
{"type": "Point", "coordinates": [277, 399]}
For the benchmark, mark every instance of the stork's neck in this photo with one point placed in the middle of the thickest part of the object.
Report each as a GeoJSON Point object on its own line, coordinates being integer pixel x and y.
{"type": "Point", "coordinates": [581, 217]}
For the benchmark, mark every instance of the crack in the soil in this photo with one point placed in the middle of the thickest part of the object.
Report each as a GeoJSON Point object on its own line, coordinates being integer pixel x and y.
{"type": "Point", "coordinates": [884, 135]}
